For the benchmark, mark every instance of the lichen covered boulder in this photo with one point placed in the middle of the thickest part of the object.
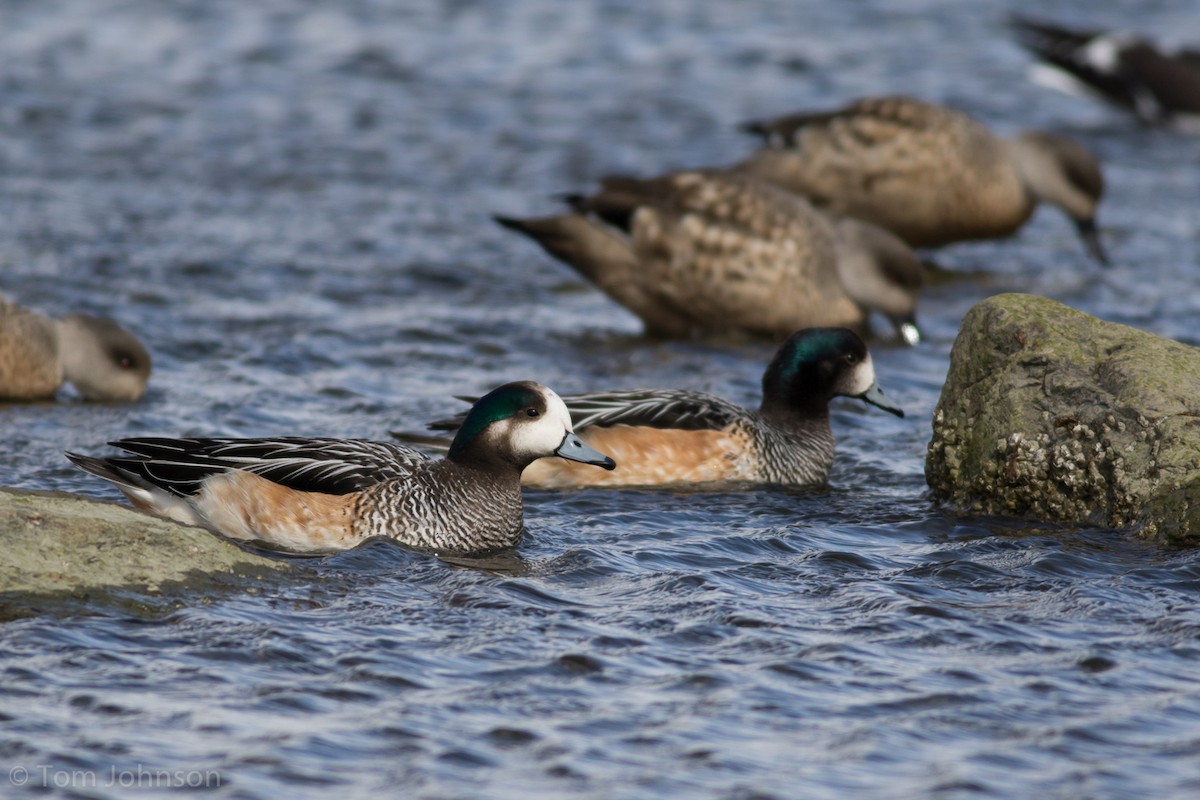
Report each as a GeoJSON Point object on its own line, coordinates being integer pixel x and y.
{"type": "Point", "coordinates": [1050, 413]}
{"type": "Point", "coordinates": [57, 544]}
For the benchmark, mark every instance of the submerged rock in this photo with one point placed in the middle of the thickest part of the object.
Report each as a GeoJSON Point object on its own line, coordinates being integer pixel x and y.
{"type": "Point", "coordinates": [64, 545]}
{"type": "Point", "coordinates": [1048, 412]}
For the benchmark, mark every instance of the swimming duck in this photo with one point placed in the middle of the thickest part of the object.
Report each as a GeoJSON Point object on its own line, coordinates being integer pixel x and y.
{"type": "Point", "coordinates": [709, 250]}
{"type": "Point", "coordinates": [679, 437]}
{"type": "Point", "coordinates": [97, 356]}
{"type": "Point", "coordinates": [1126, 70]}
{"type": "Point", "coordinates": [929, 174]}
{"type": "Point", "coordinates": [317, 495]}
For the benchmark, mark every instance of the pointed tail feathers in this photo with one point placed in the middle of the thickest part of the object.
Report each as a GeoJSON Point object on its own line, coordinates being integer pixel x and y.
{"type": "Point", "coordinates": [141, 493]}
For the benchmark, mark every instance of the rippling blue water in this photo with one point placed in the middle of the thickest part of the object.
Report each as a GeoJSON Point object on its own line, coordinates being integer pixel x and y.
{"type": "Point", "coordinates": [290, 202]}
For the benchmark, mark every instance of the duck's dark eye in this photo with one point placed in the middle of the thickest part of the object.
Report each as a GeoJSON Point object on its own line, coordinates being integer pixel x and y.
{"type": "Point", "coordinates": [531, 412]}
{"type": "Point", "coordinates": [850, 358]}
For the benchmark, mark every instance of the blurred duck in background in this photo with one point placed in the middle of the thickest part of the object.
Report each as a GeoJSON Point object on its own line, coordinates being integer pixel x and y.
{"type": "Point", "coordinates": [1130, 72]}
{"type": "Point", "coordinates": [102, 360]}
{"type": "Point", "coordinates": [713, 251]}
{"type": "Point", "coordinates": [929, 174]}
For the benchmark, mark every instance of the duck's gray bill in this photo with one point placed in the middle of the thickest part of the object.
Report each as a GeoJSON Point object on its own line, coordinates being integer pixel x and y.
{"type": "Point", "coordinates": [573, 448]}
{"type": "Point", "coordinates": [875, 397]}
{"type": "Point", "coordinates": [1090, 235]}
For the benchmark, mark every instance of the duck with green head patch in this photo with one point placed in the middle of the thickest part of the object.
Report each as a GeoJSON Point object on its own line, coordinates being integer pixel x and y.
{"type": "Point", "coordinates": [662, 436]}
{"type": "Point", "coordinates": [313, 495]}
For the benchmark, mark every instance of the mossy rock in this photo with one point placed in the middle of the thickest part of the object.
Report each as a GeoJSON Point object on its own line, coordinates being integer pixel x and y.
{"type": "Point", "coordinates": [62, 546]}
{"type": "Point", "coordinates": [1050, 413]}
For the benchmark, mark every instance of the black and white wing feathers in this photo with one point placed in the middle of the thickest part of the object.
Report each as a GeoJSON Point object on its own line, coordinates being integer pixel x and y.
{"type": "Point", "coordinates": [654, 408]}
{"type": "Point", "coordinates": [1126, 70]}
{"type": "Point", "coordinates": [651, 408]}
{"type": "Point", "coordinates": [332, 466]}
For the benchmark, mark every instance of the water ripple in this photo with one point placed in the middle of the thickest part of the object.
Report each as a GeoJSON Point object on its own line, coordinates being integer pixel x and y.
{"type": "Point", "coordinates": [292, 202]}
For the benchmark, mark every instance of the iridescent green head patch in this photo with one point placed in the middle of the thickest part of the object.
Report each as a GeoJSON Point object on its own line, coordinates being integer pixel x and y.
{"type": "Point", "coordinates": [808, 347]}
{"type": "Point", "coordinates": [496, 405]}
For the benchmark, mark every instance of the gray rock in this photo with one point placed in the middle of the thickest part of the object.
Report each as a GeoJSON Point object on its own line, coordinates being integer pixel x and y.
{"type": "Point", "coordinates": [1050, 413]}
{"type": "Point", "coordinates": [57, 544]}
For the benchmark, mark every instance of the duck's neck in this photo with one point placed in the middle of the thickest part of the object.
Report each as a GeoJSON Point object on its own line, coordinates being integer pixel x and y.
{"type": "Point", "coordinates": [790, 416]}
{"type": "Point", "coordinates": [794, 446]}
{"type": "Point", "coordinates": [495, 473]}
{"type": "Point", "coordinates": [450, 507]}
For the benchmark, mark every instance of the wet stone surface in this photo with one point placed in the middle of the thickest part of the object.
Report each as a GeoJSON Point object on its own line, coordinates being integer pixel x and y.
{"type": "Point", "coordinates": [1051, 413]}
{"type": "Point", "coordinates": [58, 546]}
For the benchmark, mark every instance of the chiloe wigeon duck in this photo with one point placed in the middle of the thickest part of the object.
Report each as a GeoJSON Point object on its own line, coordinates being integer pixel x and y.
{"type": "Point", "coordinates": [930, 174]}
{"type": "Point", "coordinates": [1129, 71]}
{"type": "Point", "coordinates": [714, 251]}
{"type": "Point", "coordinates": [102, 360]}
{"type": "Point", "coordinates": [319, 495]}
{"type": "Point", "coordinates": [662, 437]}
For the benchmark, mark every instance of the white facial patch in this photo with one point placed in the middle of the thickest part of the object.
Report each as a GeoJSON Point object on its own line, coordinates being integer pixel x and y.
{"type": "Point", "coordinates": [537, 437]}
{"type": "Point", "coordinates": [861, 378]}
